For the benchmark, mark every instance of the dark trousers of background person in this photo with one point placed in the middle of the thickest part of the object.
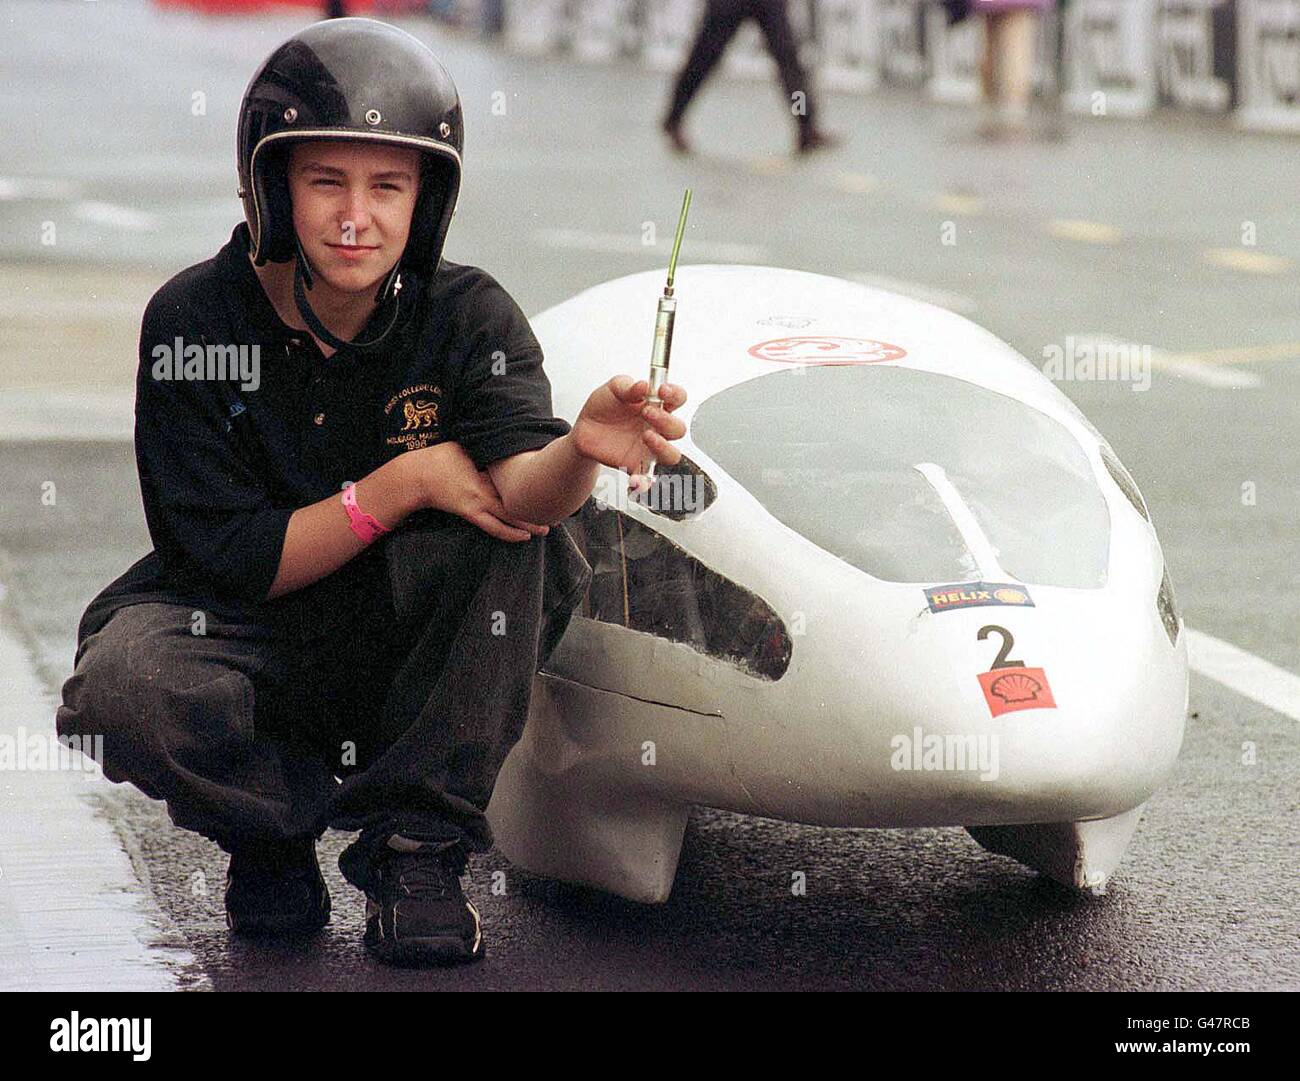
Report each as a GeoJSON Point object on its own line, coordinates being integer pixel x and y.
{"type": "Point", "coordinates": [412, 689]}
{"type": "Point", "coordinates": [722, 18]}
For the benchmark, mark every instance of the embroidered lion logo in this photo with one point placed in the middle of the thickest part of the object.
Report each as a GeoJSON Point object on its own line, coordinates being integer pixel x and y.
{"type": "Point", "coordinates": [419, 414]}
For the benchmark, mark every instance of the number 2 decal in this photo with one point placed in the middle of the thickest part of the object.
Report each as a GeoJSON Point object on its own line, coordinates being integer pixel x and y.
{"type": "Point", "coordinates": [1008, 685]}
{"type": "Point", "coordinates": [1008, 643]}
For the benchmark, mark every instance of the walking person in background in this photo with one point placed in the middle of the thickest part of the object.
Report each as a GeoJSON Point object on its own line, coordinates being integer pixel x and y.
{"type": "Point", "coordinates": [1007, 69]}
{"type": "Point", "coordinates": [721, 20]}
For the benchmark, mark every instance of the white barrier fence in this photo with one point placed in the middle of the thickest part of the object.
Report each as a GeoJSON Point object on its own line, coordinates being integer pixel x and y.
{"type": "Point", "coordinates": [1268, 65]}
{"type": "Point", "coordinates": [1107, 57]}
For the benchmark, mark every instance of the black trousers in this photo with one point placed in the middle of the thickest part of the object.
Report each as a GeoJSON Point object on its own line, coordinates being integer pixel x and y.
{"type": "Point", "coordinates": [722, 18]}
{"type": "Point", "coordinates": [391, 713]}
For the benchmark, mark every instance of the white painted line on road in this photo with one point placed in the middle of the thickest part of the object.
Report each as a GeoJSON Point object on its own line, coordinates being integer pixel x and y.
{"type": "Point", "coordinates": [1198, 371]}
{"type": "Point", "coordinates": [40, 304]}
{"type": "Point", "coordinates": [773, 165]}
{"type": "Point", "coordinates": [1248, 261]}
{"type": "Point", "coordinates": [856, 183]}
{"type": "Point", "coordinates": [116, 217]}
{"type": "Point", "coordinates": [41, 414]}
{"type": "Point", "coordinates": [955, 202]}
{"type": "Point", "coordinates": [630, 243]}
{"type": "Point", "coordinates": [13, 188]}
{"type": "Point", "coordinates": [1248, 675]}
{"type": "Point", "coordinates": [73, 916]}
{"type": "Point", "coordinates": [1185, 365]}
{"type": "Point", "coordinates": [1085, 232]}
{"type": "Point", "coordinates": [956, 302]}
{"type": "Point", "coordinates": [1250, 354]}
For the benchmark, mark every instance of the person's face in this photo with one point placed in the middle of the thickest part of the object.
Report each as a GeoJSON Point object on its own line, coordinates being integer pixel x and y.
{"type": "Point", "coordinates": [352, 205]}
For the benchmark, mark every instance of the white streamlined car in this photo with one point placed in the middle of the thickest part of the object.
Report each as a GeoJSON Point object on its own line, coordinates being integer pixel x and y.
{"type": "Point", "coordinates": [899, 581]}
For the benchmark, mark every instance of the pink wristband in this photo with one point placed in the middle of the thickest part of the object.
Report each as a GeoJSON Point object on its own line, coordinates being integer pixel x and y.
{"type": "Point", "coordinates": [366, 526]}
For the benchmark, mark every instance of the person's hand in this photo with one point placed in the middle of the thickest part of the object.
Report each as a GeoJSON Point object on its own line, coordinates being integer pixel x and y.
{"type": "Point", "coordinates": [448, 480]}
{"type": "Point", "coordinates": [619, 429]}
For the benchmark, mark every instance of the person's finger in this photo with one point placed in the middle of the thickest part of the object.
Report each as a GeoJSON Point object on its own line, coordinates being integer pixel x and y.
{"type": "Point", "coordinates": [534, 528]}
{"type": "Point", "coordinates": [665, 424]}
{"type": "Point", "coordinates": [665, 453]}
{"type": "Point", "coordinates": [492, 504]}
{"type": "Point", "coordinates": [673, 396]}
{"type": "Point", "coordinates": [493, 526]}
{"type": "Point", "coordinates": [627, 390]}
{"type": "Point", "coordinates": [497, 509]}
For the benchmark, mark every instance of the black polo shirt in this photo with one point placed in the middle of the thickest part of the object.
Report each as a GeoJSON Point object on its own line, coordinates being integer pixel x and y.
{"type": "Point", "coordinates": [240, 420]}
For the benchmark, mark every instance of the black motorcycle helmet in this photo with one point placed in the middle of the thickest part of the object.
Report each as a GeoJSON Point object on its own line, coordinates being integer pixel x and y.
{"type": "Point", "coordinates": [350, 79]}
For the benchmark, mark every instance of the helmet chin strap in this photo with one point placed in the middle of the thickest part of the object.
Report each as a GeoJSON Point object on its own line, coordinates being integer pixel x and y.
{"type": "Point", "coordinates": [388, 293]}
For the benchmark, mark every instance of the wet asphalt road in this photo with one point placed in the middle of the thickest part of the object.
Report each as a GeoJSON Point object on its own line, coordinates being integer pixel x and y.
{"type": "Point", "coordinates": [556, 194]}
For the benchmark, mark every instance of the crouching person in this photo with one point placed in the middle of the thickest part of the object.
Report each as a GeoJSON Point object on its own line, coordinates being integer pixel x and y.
{"type": "Point", "coordinates": [355, 488]}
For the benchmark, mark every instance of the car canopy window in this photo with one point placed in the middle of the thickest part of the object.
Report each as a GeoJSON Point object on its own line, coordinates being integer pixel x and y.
{"type": "Point", "coordinates": [846, 454]}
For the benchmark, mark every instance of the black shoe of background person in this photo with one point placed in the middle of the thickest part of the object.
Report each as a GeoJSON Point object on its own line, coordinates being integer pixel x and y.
{"type": "Point", "coordinates": [818, 140]}
{"type": "Point", "coordinates": [276, 889]}
{"type": "Point", "coordinates": [675, 137]}
{"type": "Point", "coordinates": [416, 911]}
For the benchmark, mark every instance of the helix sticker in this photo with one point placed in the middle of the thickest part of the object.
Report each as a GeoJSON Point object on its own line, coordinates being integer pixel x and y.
{"type": "Point", "coordinates": [977, 595]}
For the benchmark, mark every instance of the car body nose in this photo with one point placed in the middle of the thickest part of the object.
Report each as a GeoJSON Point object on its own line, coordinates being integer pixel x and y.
{"type": "Point", "coordinates": [1068, 710]}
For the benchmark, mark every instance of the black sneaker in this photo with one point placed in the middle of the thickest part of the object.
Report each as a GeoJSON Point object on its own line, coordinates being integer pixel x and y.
{"type": "Point", "coordinates": [417, 913]}
{"type": "Point", "coordinates": [276, 889]}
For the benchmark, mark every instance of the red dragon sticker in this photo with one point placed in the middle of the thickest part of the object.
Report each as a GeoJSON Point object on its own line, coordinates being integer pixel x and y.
{"type": "Point", "coordinates": [821, 349]}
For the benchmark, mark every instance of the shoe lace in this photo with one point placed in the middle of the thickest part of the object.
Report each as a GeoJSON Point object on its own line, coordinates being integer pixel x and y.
{"type": "Point", "coordinates": [424, 872]}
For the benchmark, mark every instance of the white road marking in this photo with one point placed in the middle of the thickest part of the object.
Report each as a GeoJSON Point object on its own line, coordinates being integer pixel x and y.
{"type": "Point", "coordinates": [775, 165]}
{"type": "Point", "coordinates": [1251, 262]}
{"type": "Point", "coordinates": [1250, 354]}
{"type": "Point", "coordinates": [13, 188]}
{"type": "Point", "coordinates": [1086, 232]}
{"type": "Point", "coordinates": [1248, 675]}
{"type": "Point", "coordinates": [73, 916]}
{"type": "Point", "coordinates": [856, 183]}
{"type": "Point", "coordinates": [1185, 365]}
{"type": "Point", "coordinates": [116, 217]}
{"type": "Point", "coordinates": [42, 414]}
{"type": "Point", "coordinates": [956, 302]}
{"type": "Point", "coordinates": [1198, 371]}
{"type": "Point", "coordinates": [630, 242]}
{"type": "Point", "coordinates": [952, 202]}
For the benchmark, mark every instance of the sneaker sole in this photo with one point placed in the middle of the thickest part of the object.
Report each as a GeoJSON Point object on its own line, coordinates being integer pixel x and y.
{"type": "Point", "coordinates": [264, 928]}
{"type": "Point", "coordinates": [422, 952]}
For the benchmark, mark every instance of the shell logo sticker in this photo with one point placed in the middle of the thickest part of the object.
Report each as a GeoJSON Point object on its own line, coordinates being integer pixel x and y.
{"type": "Point", "coordinates": [1010, 689]}
{"type": "Point", "coordinates": [821, 349]}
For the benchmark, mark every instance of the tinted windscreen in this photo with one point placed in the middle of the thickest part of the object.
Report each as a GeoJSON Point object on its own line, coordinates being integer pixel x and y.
{"type": "Point", "coordinates": [833, 452]}
{"type": "Point", "coordinates": [645, 583]}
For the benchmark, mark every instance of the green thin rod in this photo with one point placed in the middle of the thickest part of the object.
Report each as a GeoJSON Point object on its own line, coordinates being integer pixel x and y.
{"type": "Point", "coordinates": [677, 243]}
